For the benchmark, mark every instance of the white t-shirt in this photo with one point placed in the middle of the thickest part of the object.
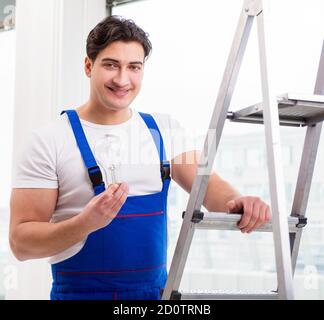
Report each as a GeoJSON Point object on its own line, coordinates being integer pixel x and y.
{"type": "Point", "coordinates": [51, 159]}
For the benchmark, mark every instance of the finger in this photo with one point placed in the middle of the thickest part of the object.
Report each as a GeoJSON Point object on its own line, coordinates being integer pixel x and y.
{"type": "Point", "coordinates": [234, 206]}
{"type": "Point", "coordinates": [110, 201]}
{"type": "Point", "coordinates": [110, 190]}
{"type": "Point", "coordinates": [119, 192]}
{"type": "Point", "coordinates": [124, 187]}
{"type": "Point", "coordinates": [260, 219]}
{"type": "Point", "coordinates": [247, 214]}
{"type": "Point", "coordinates": [254, 217]}
{"type": "Point", "coordinates": [268, 216]}
{"type": "Point", "coordinates": [104, 196]}
{"type": "Point", "coordinates": [230, 205]}
{"type": "Point", "coordinates": [120, 202]}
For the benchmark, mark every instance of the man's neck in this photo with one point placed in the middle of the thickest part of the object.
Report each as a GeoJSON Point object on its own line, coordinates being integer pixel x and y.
{"type": "Point", "coordinates": [103, 116]}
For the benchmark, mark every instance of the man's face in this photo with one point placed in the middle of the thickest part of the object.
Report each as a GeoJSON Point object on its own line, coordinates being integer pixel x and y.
{"type": "Point", "coordinates": [116, 75]}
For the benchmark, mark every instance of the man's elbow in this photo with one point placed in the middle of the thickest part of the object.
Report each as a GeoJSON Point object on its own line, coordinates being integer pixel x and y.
{"type": "Point", "coordinates": [17, 248]}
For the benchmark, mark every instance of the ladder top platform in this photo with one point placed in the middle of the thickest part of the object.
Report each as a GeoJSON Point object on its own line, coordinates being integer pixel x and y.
{"type": "Point", "coordinates": [294, 110]}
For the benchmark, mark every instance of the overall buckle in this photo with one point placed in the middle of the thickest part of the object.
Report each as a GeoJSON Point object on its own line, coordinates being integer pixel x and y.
{"type": "Point", "coordinates": [165, 170]}
{"type": "Point", "coordinates": [95, 176]}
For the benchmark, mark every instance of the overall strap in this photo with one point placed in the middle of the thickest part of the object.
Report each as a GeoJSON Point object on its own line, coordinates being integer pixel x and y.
{"type": "Point", "coordinates": [90, 162]}
{"type": "Point", "coordinates": [158, 140]}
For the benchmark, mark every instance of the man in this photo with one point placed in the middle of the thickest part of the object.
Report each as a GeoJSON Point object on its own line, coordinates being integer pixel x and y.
{"type": "Point", "coordinates": [107, 236]}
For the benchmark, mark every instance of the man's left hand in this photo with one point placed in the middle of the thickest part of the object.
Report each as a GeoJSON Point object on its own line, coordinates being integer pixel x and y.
{"type": "Point", "coordinates": [255, 212]}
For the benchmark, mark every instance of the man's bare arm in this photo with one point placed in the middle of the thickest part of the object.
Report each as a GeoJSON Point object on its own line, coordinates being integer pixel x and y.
{"type": "Point", "coordinates": [32, 235]}
{"type": "Point", "coordinates": [220, 195]}
{"type": "Point", "coordinates": [218, 192]}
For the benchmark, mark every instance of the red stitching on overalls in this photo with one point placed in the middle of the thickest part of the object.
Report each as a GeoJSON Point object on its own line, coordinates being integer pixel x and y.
{"type": "Point", "coordinates": [139, 214]}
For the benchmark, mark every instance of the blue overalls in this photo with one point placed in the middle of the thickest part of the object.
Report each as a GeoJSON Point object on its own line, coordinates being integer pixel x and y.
{"type": "Point", "coordinates": [127, 258]}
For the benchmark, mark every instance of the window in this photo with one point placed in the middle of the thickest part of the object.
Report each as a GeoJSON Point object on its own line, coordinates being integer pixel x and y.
{"type": "Point", "coordinates": [289, 192]}
{"type": "Point", "coordinates": [227, 159]}
{"type": "Point", "coordinates": [286, 156]}
{"type": "Point", "coordinates": [189, 56]}
{"type": "Point", "coordinates": [315, 193]}
{"type": "Point", "coordinates": [254, 157]}
{"type": "Point", "coordinates": [7, 14]}
{"type": "Point", "coordinates": [252, 189]}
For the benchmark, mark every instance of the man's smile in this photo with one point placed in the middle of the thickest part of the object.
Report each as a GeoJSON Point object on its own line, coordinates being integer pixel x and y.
{"type": "Point", "coordinates": [120, 93]}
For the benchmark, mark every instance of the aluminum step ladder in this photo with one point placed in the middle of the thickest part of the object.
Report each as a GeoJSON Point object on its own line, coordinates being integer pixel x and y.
{"type": "Point", "coordinates": [291, 111]}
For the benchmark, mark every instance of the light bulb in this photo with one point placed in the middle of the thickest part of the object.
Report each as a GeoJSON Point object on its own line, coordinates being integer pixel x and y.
{"type": "Point", "coordinates": [108, 155]}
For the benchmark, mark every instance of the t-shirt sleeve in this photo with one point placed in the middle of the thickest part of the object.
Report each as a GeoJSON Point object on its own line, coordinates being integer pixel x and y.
{"type": "Point", "coordinates": [177, 139]}
{"type": "Point", "coordinates": [35, 166]}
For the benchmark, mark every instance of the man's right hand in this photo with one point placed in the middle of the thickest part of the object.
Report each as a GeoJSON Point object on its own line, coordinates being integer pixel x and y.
{"type": "Point", "coordinates": [103, 208]}
{"type": "Point", "coordinates": [33, 236]}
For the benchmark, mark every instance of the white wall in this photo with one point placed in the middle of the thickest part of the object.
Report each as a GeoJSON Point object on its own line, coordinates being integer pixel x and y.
{"type": "Point", "coordinates": [7, 54]}
{"type": "Point", "coordinates": [50, 49]}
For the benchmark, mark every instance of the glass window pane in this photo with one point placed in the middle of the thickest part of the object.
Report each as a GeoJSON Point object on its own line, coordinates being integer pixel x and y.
{"type": "Point", "coordinates": [189, 55]}
{"type": "Point", "coordinates": [7, 14]}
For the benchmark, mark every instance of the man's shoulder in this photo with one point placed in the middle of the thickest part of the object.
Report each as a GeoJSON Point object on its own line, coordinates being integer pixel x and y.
{"type": "Point", "coordinates": [54, 125]}
{"type": "Point", "coordinates": [164, 120]}
{"type": "Point", "coordinates": [52, 130]}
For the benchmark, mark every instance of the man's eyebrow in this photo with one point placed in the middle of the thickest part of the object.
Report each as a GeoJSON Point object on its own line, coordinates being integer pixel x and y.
{"type": "Point", "coordinates": [116, 61]}
{"type": "Point", "coordinates": [136, 62]}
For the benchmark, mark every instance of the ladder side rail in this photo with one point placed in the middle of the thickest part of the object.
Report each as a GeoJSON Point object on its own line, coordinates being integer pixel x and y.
{"type": "Point", "coordinates": [209, 151]}
{"type": "Point", "coordinates": [303, 185]}
{"type": "Point", "coordinates": [276, 180]}
{"type": "Point", "coordinates": [306, 168]}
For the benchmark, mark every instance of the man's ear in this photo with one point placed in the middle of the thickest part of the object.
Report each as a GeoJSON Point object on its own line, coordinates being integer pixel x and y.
{"type": "Point", "coordinates": [88, 64]}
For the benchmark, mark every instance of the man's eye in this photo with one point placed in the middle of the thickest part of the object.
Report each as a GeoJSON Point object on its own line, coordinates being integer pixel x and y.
{"type": "Point", "coordinates": [135, 68]}
{"type": "Point", "coordinates": [110, 66]}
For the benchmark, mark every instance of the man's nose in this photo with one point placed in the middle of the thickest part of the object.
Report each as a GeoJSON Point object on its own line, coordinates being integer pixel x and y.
{"type": "Point", "coordinates": [121, 78]}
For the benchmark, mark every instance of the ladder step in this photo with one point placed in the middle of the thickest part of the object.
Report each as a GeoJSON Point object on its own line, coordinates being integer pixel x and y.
{"type": "Point", "coordinates": [226, 221]}
{"type": "Point", "coordinates": [293, 110]}
{"type": "Point", "coordinates": [226, 295]}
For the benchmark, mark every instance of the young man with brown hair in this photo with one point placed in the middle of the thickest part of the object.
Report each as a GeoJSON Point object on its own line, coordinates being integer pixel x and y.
{"type": "Point", "coordinates": [107, 236]}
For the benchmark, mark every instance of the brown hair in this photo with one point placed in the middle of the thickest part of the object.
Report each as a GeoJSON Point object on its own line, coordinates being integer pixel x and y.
{"type": "Point", "coordinates": [115, 28]}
